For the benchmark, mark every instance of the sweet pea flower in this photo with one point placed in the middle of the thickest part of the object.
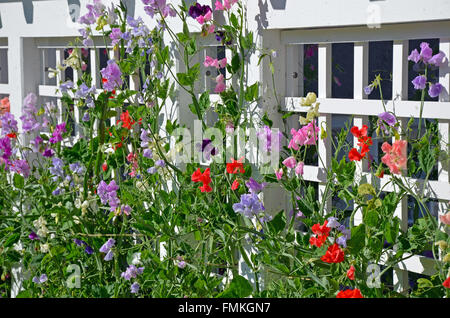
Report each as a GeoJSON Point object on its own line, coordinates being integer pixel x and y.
{"type": "Point", "coordinates": [445, 218]}
{"type": "Point", "coordinates": [299, 168]}
{"type": "Point", "coordinates": [290, 162]}
{"type": "Point", "coordinates": [435, 90]}
{"type": "Point", "coordinates": [395, 155]}
{"type": "Point", "coordinates": [279, 173]}
{"type": "Point", "coordinates": [419, 82]}
{"type": "Point", "coordinates": [220, 87]}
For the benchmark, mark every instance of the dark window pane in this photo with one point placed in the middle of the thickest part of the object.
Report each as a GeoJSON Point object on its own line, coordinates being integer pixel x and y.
{"type": "Point", "coordinates": [342, 70]}
{"type": "Point", "coordinates": [310, 68]}
{"type": "Point", "coordinates": [380, 62]}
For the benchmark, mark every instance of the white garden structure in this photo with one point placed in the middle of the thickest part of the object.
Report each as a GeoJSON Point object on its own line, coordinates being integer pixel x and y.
{"type": "Point", "coordinates": [33, 34]}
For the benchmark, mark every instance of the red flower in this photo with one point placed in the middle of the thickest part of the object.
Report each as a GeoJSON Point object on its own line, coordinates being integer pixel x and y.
{"type": "Point", "coordinates": [11, 135]}
{"type": "Point", "coordinates": [350, 293]}
{"type": "Point", "coordinates": [105, 166]}
{"type": "Point", "coordinates": [363, 141]}
{"type": "Point", "coordinates": [126, 120]}
{"type": "Point", "coordinates": [204, 177]}
{"type": "Point", "coordinates": [235, 166]}
{"type": "Point", "coordinates": [333, 255]}
{"type": "Point", "coordinates": [358, 133]}
{"type": "Point", "coordinates": [322, 232]}
{"type": "Point", "coordinates": [235, 185]}
{"type": "Point", "coordinates": [318, 241]}
{"type": "Point", "coordinates": [446, 283]}
{"type": "Point", "coordinates": [351, 273]}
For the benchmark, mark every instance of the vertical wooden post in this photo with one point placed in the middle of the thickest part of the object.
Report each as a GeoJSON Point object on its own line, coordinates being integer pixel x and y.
{"type": "Point", "coordinates": [400, 92]}
{"type": "Point", "coordinates": [324, 85]}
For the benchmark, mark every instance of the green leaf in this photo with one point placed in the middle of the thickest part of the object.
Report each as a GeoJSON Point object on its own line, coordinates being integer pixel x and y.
{"type": "Point", "coordinates": [252, 92]}
{"type": "Point", "coordinates": [235, 63]}
{"type": "Point", "coordinates": [371, 218]}
{"type": "Point", "coordinates": [391, 229]}
{"type": "Point", "coordinates": [184, 79]}
{"type": "Point", "coordinates": [267, 121]}
{"type": "Point", "coordinates": [239, 288]}
{"type": "Point", "coordinates": [357, 240]}
{"type": "Point", "coordinates": [234, 21]}
{"type": "Point", "coordinates": [278, 223]}
{"type": "Point", "coordinates": [19, 181]}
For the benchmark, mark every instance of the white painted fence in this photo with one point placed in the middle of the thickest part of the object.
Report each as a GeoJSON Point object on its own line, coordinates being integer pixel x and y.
{"type": "Point", "coordinates": [33, 34]}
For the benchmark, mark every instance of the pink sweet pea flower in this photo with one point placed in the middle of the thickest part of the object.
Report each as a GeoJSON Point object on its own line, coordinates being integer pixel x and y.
{"type": "Point", "coordinates": [299, 168]}
{"type": "Point", "coordinates": [395, 156]}
{"type": "Point", "coordinates": [279, 173]}
{"type": "Point", "coordinates": [209, 61]}
{"type": "Point", "coordinates": [211, 29]}
{"type": "Point", "coordinates": [222, 63]}
{"type": "Point", "coordinates": [445, 218]}
{"type": "Point", "coordinates": [290, 162]}
{"type": "Point", "coordinates": [220, 87]}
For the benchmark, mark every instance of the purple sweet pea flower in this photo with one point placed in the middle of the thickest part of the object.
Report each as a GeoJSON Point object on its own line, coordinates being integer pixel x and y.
{"type": "Point", "coordinates": [160, 163]}
{"type": "Point", "coordinates": [414, 56]}
{"type": "Point", "coordinates": [368, 89]}
{"type": "Point", "coordinates": [9, 123]}
{"type": "Point", "coordinates": [89, 250]}
{"type": "Point", "coordinates": [181, 264]}
{"type": "Point", "coordinates": [135, 288]}
{"type": "Point", "coordinates": [109, 256]}
{"type": "Point", "coordinates": [147, 153]}
{"type": "Point", "coordinates": [21, 167]}
{"type": "Point", "coordinates": [86, 117]}
{"type": "Point", "coordinates": [425, 52]}
{"type": "Point", "coordinates": [151, 170]}
{"type": "Point", "coordinates": [254, 186]}
{"type": "Point", "coordinates": [333, 222]}
{"type": "Point", "coordinates": [112, 75]}
{"type": "Point", "coordinates": [199, 10]}
{"type": "Point", "coordinates": [419, 82]}
{"type": "Point", "coordinates": [33, 236]}
{"type": "Point", "coordinates": [437, 59]}
{"type": "Point", "coordinates": [115, 36]}
{"type": "Point", "coordinates": [108, 194]}
{"type": "Point", "coordinates": [57, 133]}
{"type": "Point", "coordinates": [249, 205]}
{"type": "Point", "coordinates": [107, 246]}
{"type": "Point", "coordinates": [64, 87]}
{"type": "Point", "coordinates": [434, 90]}
{"type": "Point", "coordinates": [48, 153]}
{"type": "Point", "coordinates": [132, 272]}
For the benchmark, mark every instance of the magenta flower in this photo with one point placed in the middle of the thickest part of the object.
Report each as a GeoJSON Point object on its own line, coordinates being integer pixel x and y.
{"type": "Point", "coordinates": [115, 36]}
{"type": "Point", "coordinates": [419, 82]}
{"type": "Point", "coordinates": [434, 90]}
{"type": "Point", "coordinates": [21, 167]}
{"type": "Point", "coordinates": [33, 236]}
{"type": "Point", "coordinates": [290, 162]}
{"type": "Point", "coordinates": [9, 123]}
{"type": "Point", "coordinates": [279, 173]}
{"type": "Point", "coordinates": [57, 133]}
{"type": "Point", "coordinates": [307, 135]}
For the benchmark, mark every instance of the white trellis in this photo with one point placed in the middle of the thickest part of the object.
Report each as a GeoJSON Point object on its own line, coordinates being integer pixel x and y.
{"type": "Point", "coordinates": [284, 26]}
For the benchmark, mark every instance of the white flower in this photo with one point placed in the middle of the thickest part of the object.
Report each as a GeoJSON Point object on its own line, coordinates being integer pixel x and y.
{"type": "Point", "coordinates": [78, 203]}
{"type": "Point", "coordinates": [136, 259]}
{"type": "Point", "coordinates": [18, 246]}
{"type": "Point", "coordinates": [44, 248]}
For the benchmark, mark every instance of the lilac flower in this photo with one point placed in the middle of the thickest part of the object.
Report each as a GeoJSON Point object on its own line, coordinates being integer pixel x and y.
{"type": "Point", "coordinates": [135, 288]}
{"type": "Point", "coordinates": [78, 242]}
{"type": "Point", "coordinates": [414, 56]}
{"type": "Point", "coordinates": [387, 118]}
{"type": "Point", "coordinates": [266, 136]}
{"type": "Point", "coordinates": [76, 168]}
{"type": "Point", "coordinates": [425, 52]}
{"type": "Point", "coordinates": [249, 205]}
{"type": "Point", "coordinates": [64, 87]}
{"type": "Point", "coordinates": [434, 90]}
{"type": "Point", "coordinates": [144, 138]}
{"type": "Point", "coordinates": [112, 75]}
{"type": "Point", "coordinates": [85, 117]}
{"type": "Point", "coordinates": [57, 133]}
{"type": "Point", "coordinates": [109, 256]}
{"type": "Point", "coordinates": [21, 167]}
{"type": "Point", "coordinates": [33, 236]}
{"type": "Point", "coordinates": [368, 89]}
{"type": "Point", "coordinates": [57, 169]}
{"type": "Point", "coordinates": [125, 209]}
{"type": "Point", "coordinates": [56, 192]}
{"type": "Point", "coordinates": [419, 82]}
{"type": "Point", "coordinates": [437, 59]}
{"type": "Point", "coordinates": [40, 280]}
{"type": "Point", "coordinates": [151, 170]}
{"type": "Point", "coordinates": [333, 222]}
{"type": "Point", "coordinates": [148, 153]}
{"type": "Point", "coordinates": [132, 272]}
{"type": "Point", "coordinates": [107, 246]}
{"type": "Point", "coordinates": [9, 123]}
{"type": "Point", "coordinates": [253, 186]}
{"type": "Point", "coordinates": [28, 118]}
{"type": "Point", "coordinates": [108, 194]}
{"type": "Point", "coordinates": [36, 142]}
{"type": "Point", "coordinates": [160, 163]}
{"type": "Point", "coordinates": [181, 264]}
{"type": "Point", "coordinates": [83, 91]}
{"type": "Point", "coordinates": [155, 6]}
{"type": "Point", "coordinates": [342, 240]}
{"type": "Point", "coordinates": [115, 36]}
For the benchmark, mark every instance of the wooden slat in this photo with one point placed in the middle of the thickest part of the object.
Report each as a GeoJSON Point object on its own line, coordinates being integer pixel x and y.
{"type": "Point", "coordinates": [437, 110]}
